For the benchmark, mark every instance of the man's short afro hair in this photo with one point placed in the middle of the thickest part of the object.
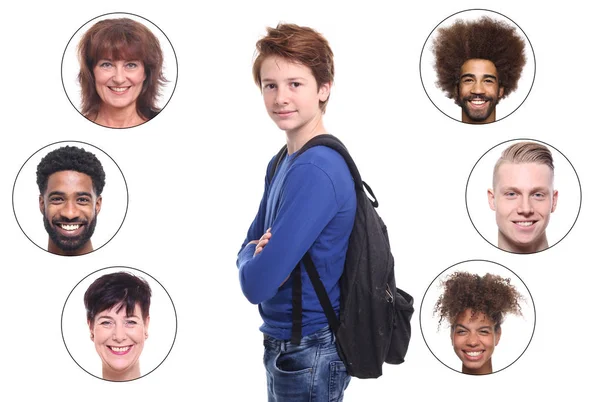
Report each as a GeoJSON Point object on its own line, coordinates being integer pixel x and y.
{"type": "Point", "coordinates": [485, 38]}
{"type": "Point", "coordinates": [70, 158]}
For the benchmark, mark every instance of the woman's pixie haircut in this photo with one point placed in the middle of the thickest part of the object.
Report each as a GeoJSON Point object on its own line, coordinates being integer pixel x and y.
{"type": "Point", "coordinates": [119, 289]}
{"type": "Point", "coordinates": [120, 39]}
{"type": "Point", "coordinates": [490, 295]}
{"type": "Point", "coordinates": [300, 45]}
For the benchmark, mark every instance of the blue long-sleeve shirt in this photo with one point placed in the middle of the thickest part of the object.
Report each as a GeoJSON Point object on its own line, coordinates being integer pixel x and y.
{"type": "Point", "coordinates": [309, 205]}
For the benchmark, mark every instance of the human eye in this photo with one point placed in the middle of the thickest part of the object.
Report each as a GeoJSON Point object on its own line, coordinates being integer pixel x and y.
{"type": "Point", "coordinates": [484, 332]}
{"type": "Point", "coordinates": [295, 84]}
{"type": "Point", "coordinates": [510, 194]}
{"type": "Point", "coordinates": [56, 199]}
{"type": "Point", "coordinates": [131, 65]}
{"type": "Point", "coordinates": [105, 64]}
{"type": "Point", "coordinates": [105, 323]}
{"type": "Point", "coordinates": [539, 196]}
{"type": "Point", "coordinates": [269, 86]}
{"type": "Point", "coordinates": [467, 80]}
{"type": "Point", "coordinates": [83, 200]}
{"type": "Point", "coordinates": [131, 323]}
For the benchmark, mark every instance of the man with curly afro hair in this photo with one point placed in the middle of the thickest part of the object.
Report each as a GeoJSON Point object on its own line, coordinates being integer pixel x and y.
{"type": "Point", "coordinates": [477, 64]}
{"type": "Point", "coordinates": [70, 181]}
{"type": "Point", "coordinates": [475, 307]}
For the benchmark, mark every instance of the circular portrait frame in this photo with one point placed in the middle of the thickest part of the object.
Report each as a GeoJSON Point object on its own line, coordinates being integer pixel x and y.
{"type": "Point", "coordinates": [517, 331]}
{"type": "Point", "coordinates": [70, 64]}
{"type": "Point", "coordinates": [115, 197]}
{"type": "Point", "coordinates": [447, 106]}
{"type": "Point", "coordinates": [162, 328]}
{"type": "Point", "coordinates": [566, 182]}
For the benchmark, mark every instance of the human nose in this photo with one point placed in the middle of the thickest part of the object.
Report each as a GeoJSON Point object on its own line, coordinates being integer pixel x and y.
{"type": "Point", "coordinates": [525, 207]}
{"type": "Point", "coordinates": [119, 74]}
{"type": "Point", "coordinates": [472, 340]}
{"type": "Point", "coordinates": [70, 210]}
{"type": "Point", "coordinates": [282, 97]}
{"type": "Point", "coordinates": [118, 333]}
{"type": "Point", "coordinates": [477, 87]}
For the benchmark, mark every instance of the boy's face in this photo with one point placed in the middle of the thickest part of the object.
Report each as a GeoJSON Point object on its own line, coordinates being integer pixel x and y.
{"type": "Point", "coordinates": [291, 94]}
{"type": "Point", "coordinates": [523, 198]}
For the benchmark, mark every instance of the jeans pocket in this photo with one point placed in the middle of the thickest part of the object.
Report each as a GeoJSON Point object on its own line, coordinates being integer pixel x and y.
{"type": "Point", "coordinates": [297, 361]}
{"type": "Point", "coordinates": [338, 381]}
{"type": "Point", "coordinates": [291, 375]}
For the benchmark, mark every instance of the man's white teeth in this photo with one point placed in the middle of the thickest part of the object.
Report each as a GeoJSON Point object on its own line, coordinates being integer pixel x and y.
{"type": "Point", "coordinates": [117, 89]}
{"type": "Point", "coordinates": [478, 101]}
{"type": "Point", "coordinates": [474, 354]}
{"type": "Point", "coordinates": [528, 223]}
{"type": "Point", "coordinates": [69, 227]}
{"type": "Point", "coordinates": [123, 349]}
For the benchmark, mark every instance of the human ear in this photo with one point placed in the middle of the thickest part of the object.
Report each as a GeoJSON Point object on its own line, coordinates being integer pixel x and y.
{"type": "Point", "coordinates": [554, 199]}
{"type": "Point", "coordinates": [498, 333]}
{"type": "Point", "coordinates": [491, 199]}
{"type": "Point", "coordinates": [42, 205]}
{"type": "Point", "coordinates": [91, 331]}
{"type": "Point", "coordinates": [500, 92]}
{"type": "Point", "coordinates": [324, 91]}
{"type": "Point", "coordinates": [98, 204]}
{"type": "Point", "coordinates": [146, 324]}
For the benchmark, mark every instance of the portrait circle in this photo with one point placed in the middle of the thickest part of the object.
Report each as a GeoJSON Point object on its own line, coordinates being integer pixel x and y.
{"type": "Point", "coordinates": [70, 64]}
{"type": "Point", "coordinates": [517, 330]}
{"type": "Point", "coordinates": [162, 328]}
{"type": "Point", "coordinates": [115, 198]}
{"type": "Point", "coordinates": [447, 106]}
{"type": "Point", "coordinates": [566, 182]}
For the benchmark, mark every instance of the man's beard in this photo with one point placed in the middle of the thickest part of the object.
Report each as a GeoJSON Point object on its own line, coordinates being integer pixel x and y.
{"type": "Point", "coordinates": [478, 115]}
{"type": "Point", "coordinates": [70, 243]}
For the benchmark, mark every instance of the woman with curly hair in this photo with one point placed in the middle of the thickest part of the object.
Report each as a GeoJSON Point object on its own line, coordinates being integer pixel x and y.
{"type": "Point", "coordinates": [478, 63]}
{"type": "Point", "coordinates": [475, 307]}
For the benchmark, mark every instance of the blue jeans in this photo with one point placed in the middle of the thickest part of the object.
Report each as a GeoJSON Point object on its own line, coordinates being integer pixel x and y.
{"type": "Point", "coordinates": [309, 372]}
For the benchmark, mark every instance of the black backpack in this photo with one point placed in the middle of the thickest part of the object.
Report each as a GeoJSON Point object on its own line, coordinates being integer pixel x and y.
{"type": "Point", "coordinates": [374, 323]}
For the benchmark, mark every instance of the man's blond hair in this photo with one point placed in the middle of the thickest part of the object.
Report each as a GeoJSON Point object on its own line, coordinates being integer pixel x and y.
{"type": "Point", "coordinates": [525, 152]}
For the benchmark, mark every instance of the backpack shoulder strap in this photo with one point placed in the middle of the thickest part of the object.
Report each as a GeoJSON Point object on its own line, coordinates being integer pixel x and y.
{"type": "Point", "coordinates": [311, 270]}
{"type": "Point", "coordinates": [334, 143]}
{"type": "Point", "coordinates": [276, 162]}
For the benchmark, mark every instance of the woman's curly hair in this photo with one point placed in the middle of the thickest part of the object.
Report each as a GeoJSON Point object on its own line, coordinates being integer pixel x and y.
{"type": "Point", "coordinates": [490, 294]}
{"type": "Point", "coordinates": [485, 39]}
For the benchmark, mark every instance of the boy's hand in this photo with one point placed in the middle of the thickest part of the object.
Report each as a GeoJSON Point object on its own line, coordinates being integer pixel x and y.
{"type": "Point", "coordinates": [262, 242]}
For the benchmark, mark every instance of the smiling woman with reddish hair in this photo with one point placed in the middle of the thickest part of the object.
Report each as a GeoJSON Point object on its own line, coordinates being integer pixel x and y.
{"type": "Point", "coordinates": [118, 315]}
{"type": "Point", "coordinates": [121, 73]}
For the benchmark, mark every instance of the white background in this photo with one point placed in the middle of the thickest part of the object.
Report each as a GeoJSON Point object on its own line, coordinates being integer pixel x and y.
{"type": "Point", "coordinates": [429, 76]}
{"type": "Point", "coordinates": [565, 182]}
{"type": "Point", "coordinates": [161, 330]}
{"type": "Point", "coordinates": [516, 330]}
{"type": "Point", "coordinates": [195, 175]}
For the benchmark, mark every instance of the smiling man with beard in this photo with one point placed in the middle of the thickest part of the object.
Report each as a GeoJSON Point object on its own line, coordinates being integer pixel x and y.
{"type": "Point", "coordinates": [477, 64]}
{"type": "Point", "coordinates": [70, 181]}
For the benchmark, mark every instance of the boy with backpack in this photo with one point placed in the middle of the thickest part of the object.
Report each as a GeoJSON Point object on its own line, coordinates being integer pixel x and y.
{"type": "Point", "coordinates": [308, 206]}
{"type": "Point", "coordinates": [297, 248]}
